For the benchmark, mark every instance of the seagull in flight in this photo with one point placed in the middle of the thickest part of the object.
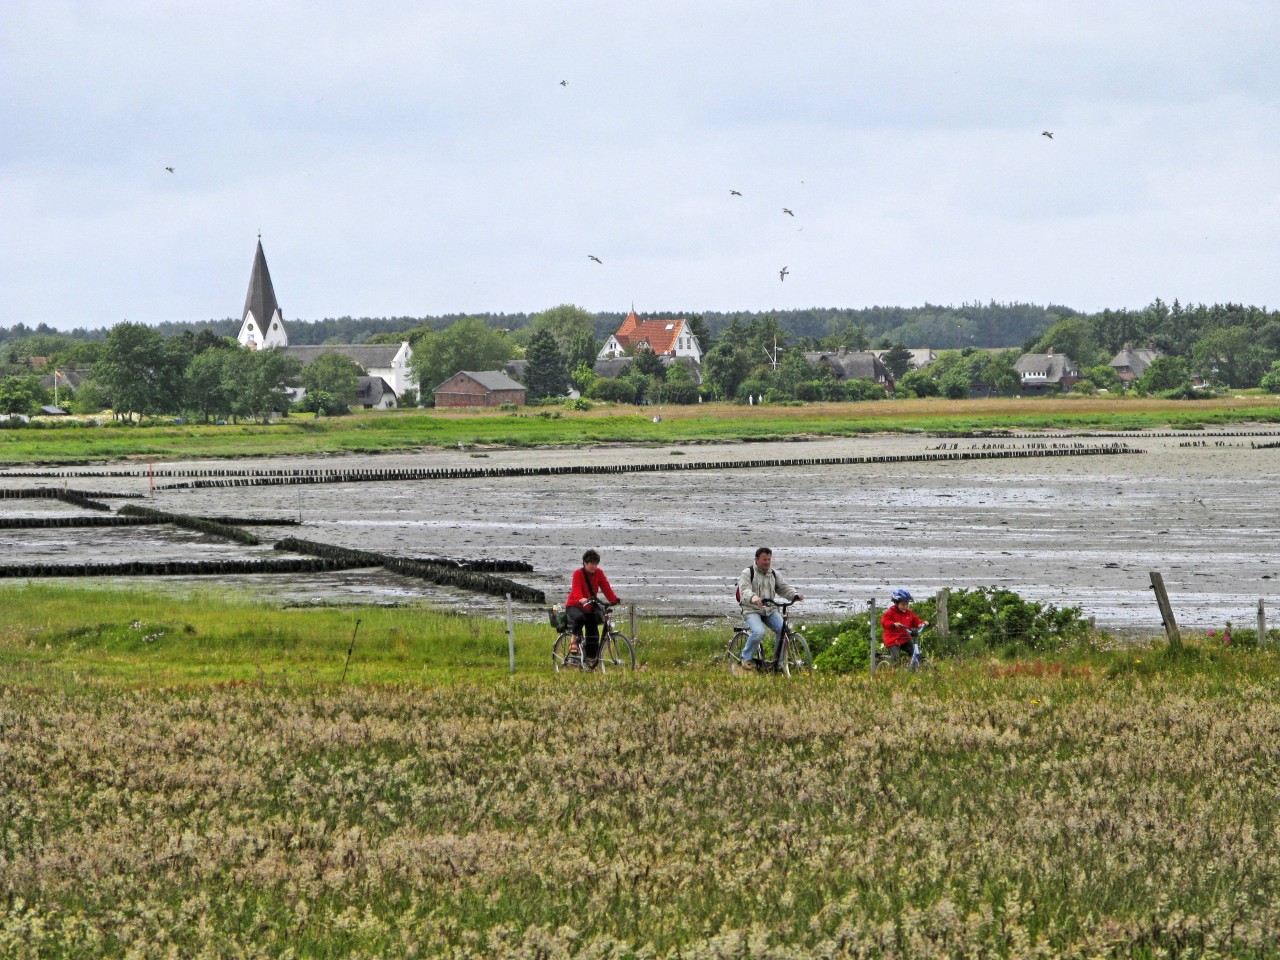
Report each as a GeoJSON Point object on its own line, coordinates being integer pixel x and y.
{"type": "Point", "coordinates": [1047, 133]}
{"type": "Point", "coordinates": [787, 212]}
{"type": "Point", "coordinates": [564, 83]}
{"type": "Point", "coordinates": [782, 274]}
{"type": "Point", "coordinates": [170, 169]}
{"type": "Point", "coordinates": [592, 256]}
{"type": "Point", "coordinates": [735, 193]}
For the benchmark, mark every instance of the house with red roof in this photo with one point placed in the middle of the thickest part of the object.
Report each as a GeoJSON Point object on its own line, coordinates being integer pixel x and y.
{"type": "Point", "coordinates": [666, 338]}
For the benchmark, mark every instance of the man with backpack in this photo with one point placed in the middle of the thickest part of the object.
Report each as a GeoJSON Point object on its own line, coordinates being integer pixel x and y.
{"type": "Point", "coordinates": [756, 585]}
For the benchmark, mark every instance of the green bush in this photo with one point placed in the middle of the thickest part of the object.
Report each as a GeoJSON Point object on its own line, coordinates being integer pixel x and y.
{"type": "Point", "coordinates": [984, 621]}
{"type": "Point", "coordinates": [578, 403]}
{"type": "Point", "coordinates": [619, 391]}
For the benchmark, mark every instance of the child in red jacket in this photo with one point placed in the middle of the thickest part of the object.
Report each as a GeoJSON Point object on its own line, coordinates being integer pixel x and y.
{"type": "Point", "coordinates": [898, 620]}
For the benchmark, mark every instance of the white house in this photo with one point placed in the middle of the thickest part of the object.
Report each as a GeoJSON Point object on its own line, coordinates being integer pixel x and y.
{"type": "Point", "coordinates": [666, 338]}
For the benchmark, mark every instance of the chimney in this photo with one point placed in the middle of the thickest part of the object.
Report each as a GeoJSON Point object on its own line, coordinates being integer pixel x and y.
{"type": "Point", "coordinates": [1048, 352]}
{"type": "Point", "coordinates": [841, 352]}
{"type": "Point", "coordinates": [1128, 346]}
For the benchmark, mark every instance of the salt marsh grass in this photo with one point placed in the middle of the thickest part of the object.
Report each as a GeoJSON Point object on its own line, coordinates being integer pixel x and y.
{"type": "Point", "coordinates": [1119, 804]}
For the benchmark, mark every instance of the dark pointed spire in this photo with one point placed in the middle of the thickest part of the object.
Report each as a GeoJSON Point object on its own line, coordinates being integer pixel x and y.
{"type": "Point", "coordinates": [261, 298]}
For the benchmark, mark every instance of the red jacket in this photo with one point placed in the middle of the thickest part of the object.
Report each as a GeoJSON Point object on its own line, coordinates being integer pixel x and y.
{"type": "Point", "coordinates": [894, 635]}
{"type": "Point", "coordinates": [580, 591]}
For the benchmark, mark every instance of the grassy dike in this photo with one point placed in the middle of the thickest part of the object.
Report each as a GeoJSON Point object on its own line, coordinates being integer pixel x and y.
{"type": "Point", "coordinates": [390, 431]}
{"type": "Point", "coordinates": [187, 778]}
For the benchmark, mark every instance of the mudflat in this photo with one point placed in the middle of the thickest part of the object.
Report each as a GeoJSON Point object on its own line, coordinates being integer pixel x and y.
{"type": "Point", "coordinates": [1072, 530]}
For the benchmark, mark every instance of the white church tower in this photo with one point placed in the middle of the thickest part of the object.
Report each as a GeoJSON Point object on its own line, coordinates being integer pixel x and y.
{"type": "Point", "coordinates": [263, 325]}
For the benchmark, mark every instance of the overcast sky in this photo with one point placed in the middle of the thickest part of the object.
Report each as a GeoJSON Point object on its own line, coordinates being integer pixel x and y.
{"type": "Point", "coordinates": [420, 158]}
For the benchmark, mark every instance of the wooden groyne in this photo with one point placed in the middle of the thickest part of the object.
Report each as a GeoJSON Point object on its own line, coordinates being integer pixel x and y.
{"type": "Point", "coordinates": [447, 574]}
{"type": "Point", "coordinates": [174, 568]}
{"type": "Point", "coordinates": [385, 475]}
{"type": "Point", "coordinates": [199, 524]}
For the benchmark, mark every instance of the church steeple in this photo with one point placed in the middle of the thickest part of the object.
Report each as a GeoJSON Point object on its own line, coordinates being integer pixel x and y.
{"type": "Point", "coordinates": [262, 325]}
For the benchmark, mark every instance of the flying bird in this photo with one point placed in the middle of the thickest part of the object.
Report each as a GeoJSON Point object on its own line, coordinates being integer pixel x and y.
{"type": "Point", "coordinates": [782, 274]}
{"type": "Point", "coordinates": [592, 256]}
{"type": "Point", "coordinates": [787, 212]}
{"type": "Point", "coordinates": [735, 193]}
{"type": "Point", "coordinates": [1047, 133]}
{"type": "Point", "coordinates": [564, 83]}
{"type": "Point", "coordinates": [170, 169]}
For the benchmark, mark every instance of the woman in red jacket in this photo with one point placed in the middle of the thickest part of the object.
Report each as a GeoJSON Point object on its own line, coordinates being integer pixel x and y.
{"type": "Point", "coordinates": [588, 581]}
{"type": "Point", "coordinates": [897, 621]}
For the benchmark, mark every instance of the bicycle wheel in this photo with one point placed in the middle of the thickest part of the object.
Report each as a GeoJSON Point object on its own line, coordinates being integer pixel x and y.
{"type": "Point", "coordinates": [561, 658]}
{"type": "Point", "coordinates": [796, 658]}
{"type": "Point", "coordinates": [733, 652]}
{"type": "Point", "coordinates": [617, 652]}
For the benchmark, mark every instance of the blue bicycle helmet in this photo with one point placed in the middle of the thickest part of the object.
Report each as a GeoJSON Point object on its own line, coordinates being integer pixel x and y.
{"type": "Point", "coordinates": [900, 594]}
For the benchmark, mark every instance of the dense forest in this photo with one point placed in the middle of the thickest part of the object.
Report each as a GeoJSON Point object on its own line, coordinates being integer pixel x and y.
{"type": "Point", "coordinates": [942, 328]}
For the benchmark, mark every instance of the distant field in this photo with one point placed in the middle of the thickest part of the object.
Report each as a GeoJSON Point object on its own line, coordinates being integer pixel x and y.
{"type": "Point", "coordinates": [413, 429]}
{"type": "Point", "coordinates": [186, 779]}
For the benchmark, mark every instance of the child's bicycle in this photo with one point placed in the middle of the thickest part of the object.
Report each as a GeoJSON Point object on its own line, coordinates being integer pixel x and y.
{"type": "Point", "coordinates": [789, 656]}
{"type": "Point", "coordinates": [892, 658]}
{"type": "Point", "coordinates": [617, 652]}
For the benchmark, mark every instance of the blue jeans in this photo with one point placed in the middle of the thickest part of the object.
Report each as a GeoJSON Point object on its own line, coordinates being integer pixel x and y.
{"type": "Point", "coordinates": [757, 622]}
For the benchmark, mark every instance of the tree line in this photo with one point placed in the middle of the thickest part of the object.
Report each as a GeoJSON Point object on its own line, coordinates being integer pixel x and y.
{"type": "Point", "coordinates": [177, 368]}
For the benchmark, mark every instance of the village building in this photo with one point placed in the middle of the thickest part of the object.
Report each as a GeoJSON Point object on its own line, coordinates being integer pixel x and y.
{"type": "Point", "coordinates": [262, 328]}
{"type": "Point", "coordinates": [666, 338]}
{"type": "Point", "coordinates": [482, 388]}
{"type": "Point", "coordinates": [1046, 372]}
{"type": "Point", "coordinates": [1130, 364]}
{"type": "Point", "coordinates": [262, 325]}
{"type": "Point", "coordinates": [852, 365]}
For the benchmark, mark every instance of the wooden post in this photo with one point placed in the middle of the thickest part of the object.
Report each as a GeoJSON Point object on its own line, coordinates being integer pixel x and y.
{"type": "Point", "coordinates": [1262, 622]}
{"type": "Point", "coordinates": [631, 616]}
{"type": "Point", "coordinates": [1166, 612]}
{"type": "Point", "coordinates": [511, 634]}
{"type": "Point", "coordinates": [873, 628]}
{"type": "Point", "coordinates": [941, 616]}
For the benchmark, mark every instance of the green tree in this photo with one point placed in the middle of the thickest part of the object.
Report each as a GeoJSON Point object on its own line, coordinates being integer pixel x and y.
{"type": "Point", "coordinates": [334, 374]}
{"type": "Point", "coordinates": [469, 344]}
{"type": "Point", "coordinates": [564, 322]}
{"type": "Point", "coordinates": [1104, 377]}
{"type": "Point", "coordinates": [918, 383]}
{"type": "Point", "coordinates": [546, 375]}
{"type": "Point", "coordinates": [648, 363]}
{"type": "Point", "coordinates": [1074, 337]}
{"type": "Point", "coordinates": [702, 332]}
{"type": "Point", "coordinates": [207, 387]}
{"type": "Point", "coordinates": [1166, 373]}
{"type": "Point", "coordinates": [581, 350]}
{"type": "Point", "coordinates": [1232, 356]}
{"type": "Point", "coordinates": [898, 359]}
{"type": "Point", "coordinates": [141, 371]}
{"type": "Point", "coordinates": [259, 381]}
{"type": "Point", "coordinates": [725, 367]}
{"type": "Point", "coordinates": [1271, 382]}
{"type": "Point", "coordinates": [21, 395]}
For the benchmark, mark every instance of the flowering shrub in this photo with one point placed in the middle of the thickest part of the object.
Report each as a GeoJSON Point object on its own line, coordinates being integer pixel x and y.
{"type": "Point", "coordinates": [983, 621]}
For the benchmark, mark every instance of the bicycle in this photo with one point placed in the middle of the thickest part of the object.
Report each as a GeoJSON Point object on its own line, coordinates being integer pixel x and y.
{"type": "Point", "coordinates": [785, 655]}
{"type": "Point", "coordinates": [616, 651]}
{"type": "Point", "coordinates": [891, 658]}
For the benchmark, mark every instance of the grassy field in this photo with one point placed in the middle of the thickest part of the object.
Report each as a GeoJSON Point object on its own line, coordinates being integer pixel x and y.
{"type": "Point", "coordinates": [388, 431]}
{"type": "Point", "coordinates": [187, 778]}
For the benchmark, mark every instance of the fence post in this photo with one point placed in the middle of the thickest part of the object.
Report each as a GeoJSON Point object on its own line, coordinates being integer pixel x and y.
{"type": "Point", "coordinates": [942, 626]}
{"type": "Point", "coordinates": [511, 635]}
{"type": "Point", "coordinates": [1166, 612]}
{"type": "Point", "coordinates": [631, 616]}
{"type": "Point", "coordinates": [873, 629]}
{"type": "Point", "coordinates": [1262, 621]}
